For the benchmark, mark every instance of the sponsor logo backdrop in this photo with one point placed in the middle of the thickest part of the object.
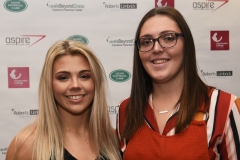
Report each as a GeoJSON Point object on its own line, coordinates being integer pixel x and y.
{"type": "Point", "coordinates": [29, 27]}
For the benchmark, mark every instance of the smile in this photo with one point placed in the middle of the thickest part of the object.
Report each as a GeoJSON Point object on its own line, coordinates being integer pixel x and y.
{"type": "Point", "coordinates": [160, 61]}
{"type": "Point", "coordinates": [75, 97]}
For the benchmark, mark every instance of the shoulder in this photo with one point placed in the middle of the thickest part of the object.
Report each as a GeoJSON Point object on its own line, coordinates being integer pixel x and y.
{"type": "Point", "coordinates": [122, 111]}
{"type": "Point", "coordinates": [222, 97]}
{"type": "Point", "coordinates": [222, 101]}
{"type": "Point", "coordinates": [123, 106]}
{"type": "Point", "coordinates": [21, 146]}
{"type": "Point", "coordinates": [223, 123]}
{"type": "Point", "coordinates": [121, 116]}
{"type": "Point", "coordinates": [222, 107]}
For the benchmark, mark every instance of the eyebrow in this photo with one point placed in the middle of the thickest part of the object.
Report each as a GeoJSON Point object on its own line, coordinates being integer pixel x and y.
{"type": "Point", "coordinates": [67, 72]}
{"type": "Point", "coordinates": [161, 33]}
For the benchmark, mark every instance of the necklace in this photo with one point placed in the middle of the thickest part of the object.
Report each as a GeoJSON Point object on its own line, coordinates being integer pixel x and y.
{"type": "Point", "coordinates": [164, 111]}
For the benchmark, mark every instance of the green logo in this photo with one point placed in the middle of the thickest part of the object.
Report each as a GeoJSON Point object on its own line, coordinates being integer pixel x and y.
{"type": "Point", "coordinates": [15, 5]}
{"type": "Point", "coordinates": [119, 75]}
{"type": "Point", "coordinates": [79, 38]}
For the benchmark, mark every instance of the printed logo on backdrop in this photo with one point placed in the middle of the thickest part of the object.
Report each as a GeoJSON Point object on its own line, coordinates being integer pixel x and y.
{"type": "Point", "coordinates": [120, 42]}
{"type": "Point", "coordinates": [219, 40]}
{"type": "Point", "coordinates": [15, 5]}
{"type": "Point", "coordinates": [119, 75]}
{"type": "Point", "coordinates": [212, 5]}
{"type": "Point", "coordinates": [164, 3]}
{"type": "Point", "coordinates": [18, 77]}
{"type": "Point", "coordinates": [24, 40]}
{"type": "Point", "coordinates": [217, 74]}
{"type": "Point", "coordinates": [113, 109]}
{"type": "Point", "coordinates": [120, 7]}
{"type": "Point", "coordinates": [78, 38]}
{"type": "Point", "coordinates": [65, 7]}
{"type": "Point", "coordinates": [4, 150]}
{"type": "Point", "coordinates": [26, 113]}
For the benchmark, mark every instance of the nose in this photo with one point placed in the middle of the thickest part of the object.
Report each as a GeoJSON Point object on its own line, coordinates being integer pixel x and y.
{"type": "Point", "coordinates": [157, 47]}
{"type": "Point", "coordinates": [75, 84]}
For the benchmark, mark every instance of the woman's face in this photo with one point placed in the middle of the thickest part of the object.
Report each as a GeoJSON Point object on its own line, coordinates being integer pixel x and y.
{"type": "Point", "coordinates": [162, 64]}
{"type": "Point", "coordinates": [73, 86]}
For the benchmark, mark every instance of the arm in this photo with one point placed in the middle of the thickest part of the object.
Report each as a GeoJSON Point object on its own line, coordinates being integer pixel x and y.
{"type": "Point", "coordinates": [11, 150]}
{"type": "Point", "coordinates": [21, 146]}
{"type": "Point", "coordinates": [230, 146]}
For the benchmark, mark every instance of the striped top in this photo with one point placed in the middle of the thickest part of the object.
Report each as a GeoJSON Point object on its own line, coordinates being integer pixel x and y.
{"type": "Point", "coordinates": [222, 120]}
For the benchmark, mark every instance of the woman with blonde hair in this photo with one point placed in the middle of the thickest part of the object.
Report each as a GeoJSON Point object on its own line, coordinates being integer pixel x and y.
{"type": "Point", "coordinates": [73, 121]}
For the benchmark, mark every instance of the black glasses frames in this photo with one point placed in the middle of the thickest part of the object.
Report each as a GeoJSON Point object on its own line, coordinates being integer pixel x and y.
{"type": "Point", "coordinates": [166, 40]}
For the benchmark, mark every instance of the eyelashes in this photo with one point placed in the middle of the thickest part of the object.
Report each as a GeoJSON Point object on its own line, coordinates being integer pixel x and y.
{"type": "Point", "coordinates": [85, 76]}
{"type": "Point", "coordinates": [67, 77]}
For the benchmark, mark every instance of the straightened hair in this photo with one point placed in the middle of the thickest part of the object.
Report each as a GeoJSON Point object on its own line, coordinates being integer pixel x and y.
{"type": "Point", "coordinates": [194, 90]}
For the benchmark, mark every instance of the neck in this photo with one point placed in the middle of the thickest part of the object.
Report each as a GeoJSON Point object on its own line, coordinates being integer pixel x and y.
{"type": "Point", "coordinates": [77, 124]}
{"type": "Point", "coordinates": [168, 90]}
{"type": "Point", "coordinates": [166, 95]}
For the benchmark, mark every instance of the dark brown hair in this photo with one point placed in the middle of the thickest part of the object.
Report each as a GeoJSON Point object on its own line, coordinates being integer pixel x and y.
{"type": "Point", "coordinates": [193, 87]}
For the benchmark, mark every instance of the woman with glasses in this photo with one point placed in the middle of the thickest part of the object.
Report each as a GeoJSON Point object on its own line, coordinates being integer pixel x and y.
{"type": "Point", "coordinates": [171, 113]}
{"type": "Point", "coordinates": [73, 121]}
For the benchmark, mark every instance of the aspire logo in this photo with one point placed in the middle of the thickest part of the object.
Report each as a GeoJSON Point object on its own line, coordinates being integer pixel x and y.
{"type": "Point", "coordinates": [21, 40]}
{"type": "Point", "coordinates": [164, 3]}
{"type": "Point", "coordinates": [4, 150]}
{"type": "Point", "coordinates": [26, 113]}
{"type": "Point", "coordinates": [113, 109]}
{"type": "Point", "coordinates": [121, 6]}
{"type": "Point", "coordinates": [65, 7]}
{"type": "Point", "coordinates": [18, 77]}
{"type": "Point", "coordinates": [209, 5]}
{"type": "Point", "coordinates": [15, 5]}
{"type": "Point", "coordinates": [219, 40]}
{"type": "Point", "coordinates": [120, 42]}
{"type": "Point", "coordinates": [222, 2]}
{"type": "Point", "coordinates": [217, 74]}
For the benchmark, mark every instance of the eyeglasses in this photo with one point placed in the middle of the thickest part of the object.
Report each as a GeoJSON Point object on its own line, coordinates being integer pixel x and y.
{"type": "Point", "coordinates": [166, 40]}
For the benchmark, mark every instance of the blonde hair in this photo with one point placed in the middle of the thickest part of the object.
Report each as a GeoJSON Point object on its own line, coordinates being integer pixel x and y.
{"type": "Point", "coordinates": [48, 140]}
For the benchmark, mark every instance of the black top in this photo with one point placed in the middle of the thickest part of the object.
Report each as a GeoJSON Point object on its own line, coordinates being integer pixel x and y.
{"type": "Point", "coordinates": [68, 156]}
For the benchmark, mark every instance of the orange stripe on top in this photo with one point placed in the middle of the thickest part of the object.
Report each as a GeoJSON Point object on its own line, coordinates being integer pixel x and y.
{"type": "Point", "coordinates": [199, 116]}
{"type": "Point", "coordinates": [237, 101]}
